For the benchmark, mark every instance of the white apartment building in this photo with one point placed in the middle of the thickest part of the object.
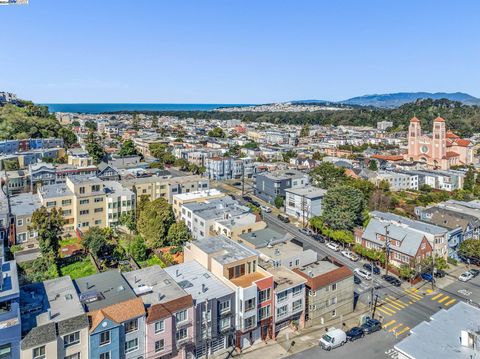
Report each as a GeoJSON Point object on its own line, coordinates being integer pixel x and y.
{"type": "Point", "coordinates": [119, 200]}
{"type": "Point", "coordinates": [304, 203]}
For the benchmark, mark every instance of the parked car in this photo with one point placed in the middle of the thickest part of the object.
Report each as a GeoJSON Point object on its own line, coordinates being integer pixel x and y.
{"type": "Point", "coordinates": [356, 280]}
{"type": "Point", "coordinates": [333, 338]}
{"type": "Point", "coordinates": [283, 218]}
{"type": "Point", "coordinates": [355, 333]}
{"type": "Point", "coordinates": [266, 209]}
{"type": "Point", "coordinates": [319, 237]}
{"type": "Point", "coordinates": [369, 266]}
{"type": "Point", "coordinates": [475, 272]}
{"type": "Point", "coordinates": [392, 280]}
{"type": "Point", "coordinates": [306, 231]}
{"type": "Point", "coordinates": [465, 277]}
{"type": "Point", "coordinates": [439, 273]}
{"type": "Point", "coordinates": [333, 246]}
{"type": "Point", "coordinates": [237, 184]}
{"type": "Point", "coordinates": [362, 273]}
{"type": "Point", "coordinates": [371, 326]}
{"type": "Point", "coordinates": [350, 255]}
{"type": "Point", "coordinates": [427, 277]}
{"type": "Point", "coordinates": [232, 196]}
{"type": "Point", "coordinates": [247, 198]}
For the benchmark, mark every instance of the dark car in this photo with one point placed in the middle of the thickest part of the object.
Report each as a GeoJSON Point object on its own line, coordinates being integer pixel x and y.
{"type": "Point", "coordinates": [371, 326]}
{"type": "Point", "coordinates": [355, 333]}
{"type": "Point", "coordinates": [256, 204]}
{"type": "Point", "coordinates": [319, 238]}
{"type": "Point", "coordinates": [237, 184]}
{"type": "Point", "coordinates": [392, 280]}
{"type": "Point", "coordinates": [369, 267]}
{"type": "Point", "coordinates": [247, 198]}
{"type": "Point", "coordinates": [283, 218]}
{"type": "Point", "coordinates": [440, 273]}
{"type": "Point", "coordinates": [475, 272]}
{"type": "Point", "coordinates": [356, 280]}
{"type": "Point", "coordinates": [231, 196]}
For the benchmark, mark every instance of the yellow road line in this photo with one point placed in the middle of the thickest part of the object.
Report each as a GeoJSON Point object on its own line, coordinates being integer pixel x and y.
{"type": "Point", "coordinates": [443, 299]}
{"type": "Point", "coordinates": [397, 301]}
{"type": "Point", "coordinates": [450, 302]}
{"type": "Point", "coordinates": [395, 327]}
{"type": "Point", "coordinates": [388, 309]}
{"type": "Point", "coordinates": [429, 291]}
{"type": "Point", "coordinates": [414, 291]}
{"type": "Point", "coordinates": [388, 302]}
{"type": "Point", "coordinates": [437, 296]}
{"type": "Point", "coordinates": [389, 323]}
{"type": "Point", "coordinates": [403, 330]}
{"type": "Point", "coordinates": [384, 311]}
{"type": "Point", "coordinates": [413, 295]}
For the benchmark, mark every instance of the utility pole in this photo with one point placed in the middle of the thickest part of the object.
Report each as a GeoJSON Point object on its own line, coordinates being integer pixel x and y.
{"type": "Point", "coordinates": [387, 248]}
{"type": "Point", "coordinates": [303, 211]}
{"type": "Point", "coordinates": [374, 307]}
{"type": "Point", "coordinates": [433, 265]}
{"type": "Point", "coordinates": [372, 287]}
{"type": "Point", "coordinates": [207, 335]}
{"type": "Point", "coordinates": [243, 177]}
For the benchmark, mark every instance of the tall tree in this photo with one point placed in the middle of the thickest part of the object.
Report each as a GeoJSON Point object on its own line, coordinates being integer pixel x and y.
{"type": "Point", "coordinates": [327, 175]}
{"type": "Point", "coordinates": [469, 181]}
{"type": "Point", "coordinates": [372, 165]}
{"type": "Point", "coordinates": [178, 234]}
{"type": "Point", "coordinates": [128, 149]}
{"type": "Point", "coordinates": [216, 132]}
{"type": "Point", "coordinates": [95, 240]}
{"type": "Point", "coordinates": [154, 221]}
{"type": "Point", "coordinates": [343, 208]}
{"type": "Point", "coordinates": [49, 228]}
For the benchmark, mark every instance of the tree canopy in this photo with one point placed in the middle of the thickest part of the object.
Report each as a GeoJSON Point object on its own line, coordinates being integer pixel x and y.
{"type": "Point", "coordinates": [128, 149]}
{"type": "Point", "coordinates": [49, 228]}
{"type": "Point", "coordinates": [154, 221]}
{"type": "Point", "coordinates": [343, 208]}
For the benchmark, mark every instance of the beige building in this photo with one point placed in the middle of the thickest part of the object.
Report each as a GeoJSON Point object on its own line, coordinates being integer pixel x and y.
{"type": "Point", "coordinates": [191, 197]}
{"type": "Point", "coordinates": [235, 226]}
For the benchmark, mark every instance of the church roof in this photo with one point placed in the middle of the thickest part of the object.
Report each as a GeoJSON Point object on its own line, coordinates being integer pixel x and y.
{"type": "Point", "coordinates": [451, 154]}
{"type": "Point", "coordinates": [414, 119]}
{"type": "Point", "coordinates": [439, 119]}
{"type": "Point", "coordinates": [450, 134]}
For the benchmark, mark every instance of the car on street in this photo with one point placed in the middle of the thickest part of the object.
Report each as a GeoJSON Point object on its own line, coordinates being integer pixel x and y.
{"type": "Point", "coordinates": [306, 231]}
{"type": "Point", "coordinates": [350, 255]}
{"type": "Point", "coordinates": [266, 209]}
{"type": "Point", "coordinates": [371, 268]}
{"type": "Point", "coordinates": [247, 198]}
{"type": "Point", "coordinates": [392, 280]}
{"type": "Point", "coordinates": [236, 184]}
{"type": "Point", "coordinates": [465, 277]}
{"type": "Point", "coordinates": [427, 277]}
{"type": "Point", "coordinates": [475, 272]}
{"type": "Point", "coordinates": [371, 326]}
{"type": "Point", "coordinates": [439, 273]}
{"type": "Point", "coordinates": [356, 280]}
{"type": "Point", "coordinates": [355, 333]}
{"type": "Point", "coordinates": [255, 203]}
{"type": "Point", "coordinates": [283, 218]}
{"type": "Point", "coordinates": [333, 338]}
{"type": "Point", "coordinates": [333, 246]}
{"type": "Point", "coordinates": [319, 237]}
{"type": "Point", "coordinates": [362, 273]}
{"type": "Point", "coordinates": [232, 196]}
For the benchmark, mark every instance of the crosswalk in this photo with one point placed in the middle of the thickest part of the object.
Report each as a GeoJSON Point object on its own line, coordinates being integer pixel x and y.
{"type": "Point", "coordinates": [390, 305]}
{"type": "Point", "coordinates": [444, 299]}
{"type": "Point", "coordinates": [396, 328]}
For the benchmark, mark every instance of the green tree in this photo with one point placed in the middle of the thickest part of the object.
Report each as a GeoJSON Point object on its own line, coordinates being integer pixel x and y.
{"type": "Point", "coordinates": [153, 223]}
{"type": "Point", "coordinates": [216, 132]}
{"type": "Point", "coordinates": [289, 155]}
{"type": "Point", "coordinates": [95, 241]}
{"type": "Point", "coordinates": [91, 125]}
{"type": "Point", "coordinates": [128, 220]}
{"type": "Point", "coordinates": [69, 138]}
{"type": "Point", "coordinates": [470, 248]}
{"type": "Point", "coordinates": [279, 201]}
{"type": "Point", "coordinates": [318, 156]}
{"type": "Point", "coordinates": [328, 175]}
{"type": "Point", "coordinates": [178, 234]}
{"type": "Point", "coordinates": [138, 249]}
{"type": "Point", "coordinates": [252, 145]}
{"type": "Point", "coordinates": [49, 228]}
{"type": "Point", "coordinates": [11, 165]}
{"type": "Point", "coordinates": [94, 149]}
{"type": "Point", "coordinates": [155, 122]}
{"type": "Point", "coordinates": [372, 165]}
{"type": "Point", "coordinates": [343, 208]}
{"type": "Point", "coordinates": [406, 272]}
{"type": "Point", "coordinates": [305, 131]}
{"type": "Point", "coordinates": [128, 149]}
{"type": "Point", "coordinates": [469, 181]}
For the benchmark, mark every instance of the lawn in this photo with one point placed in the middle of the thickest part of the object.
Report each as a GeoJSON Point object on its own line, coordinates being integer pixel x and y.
{"type": "Point", "coordinates": [68, 241]}
{"type": "Point", "coordinates": [79, 269]}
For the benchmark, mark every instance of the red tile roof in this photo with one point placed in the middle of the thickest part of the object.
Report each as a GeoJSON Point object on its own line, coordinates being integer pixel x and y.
{"type": "Point", "coordinates": [439, 119]}
{"type": "Point", "coordinates": [451, 154]}
{"type": "Point", "coordinates": [414, 119]}
{"type": "Point", "coordinates": [388, 157]}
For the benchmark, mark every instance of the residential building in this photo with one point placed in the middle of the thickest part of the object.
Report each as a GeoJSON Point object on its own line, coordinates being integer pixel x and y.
{"type": "Point", "coordinates": [237, 266]}
{"type": "Point", "coordinates": [384, 125]}
{"type": "Point", "coordinates": [270, 185]}
{"type": "Point", "coordinates": [222, 168]}
{"type": "Point", "coordinates": [116, 316]}
{"type": "Point", "coordinates": [119, 201]}
{"type": "Point", "coordinates": [330, 290]}
{"type": "Point", "coordinates": [54, 324]}
{"type": "Point", "coordinates": [397, 181]}
{"type": "Point", "coordinates": [233, 226]}
{"type": "Point", "coordinates": [214, 304]}
{"type": "Point", "coordinates": [304, 203]}
{"type": "Point", "coordinates": [170, 324]}
{"type": "Point", "coordinates": [198, 196]}
{"type": "Point", "coordinates": [79, 157]}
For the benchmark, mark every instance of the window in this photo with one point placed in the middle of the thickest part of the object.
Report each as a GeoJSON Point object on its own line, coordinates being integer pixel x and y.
{"type": "Point", "coordinates": [264, 295]}
{"type": "Point", "coordinates": [225, 323]}
{"type": "Point", "coordinates": [82, 190]}
{"type": "Point", "coordinates": [159, 345]}
{"type": "Point", "coordinates": [105, 337]}
{"type": "Point", "coordinates": [281, 311]}
{"type": "Point", "coordinates": [297, 290]}
{"type": "Point", "coordinates": [84, 212]}
{"type": "Point", "coordinates": [19, 222]}
{"type": "Point", "coordinates": [131, 326]}
{"type": "Point", "coordinates": [105, 355]}
{"type": "Point", "coordinates": [131, 345]}
{"type": "Point", "coordinates": [297, 305]}
{"type": "Point", "coordinates": [264, 312]}
{"type": "Point", "coordinates": [282, 296]}
{"type": "Point", "coordinates": [334, 286]}
{"type": "Point", "coordinates": [67, 212]}
{"type": "Point", "coordinates": [84, 201]}
{"type": "Point", "coordinates": [237, 271]}
{"type": "Point", "coordinates": [96, 188]}
{"type": "Point", "coordinates": [39, 353]}
{"type": "Point", "coordinates": [249, 322]}
{"type": "Point", "coordinates": [334, 313]}
{"type": "Point", "coordinates": [71, 339]}
{"type": "Point", "coordinates": [249, 304]}
{"type": "Point", "coordinates": [21, 237]}
{"type": "Point", "coordinates": [98, 199]}
{"type": "Point", "coordinates": [6, 351]}
{"type": "Point", "coordinates": [51, 204]}
{"type": "Point", "coordinates": [297, 262]}
{"type": "Point", "coordinates": [181, 316]}
{"type": "Point", "coordinates": [312, 293]}
{"type": "Point", "coordinates": [98, 222]}
{"type": "Point", "coordinates": [224, 307]}
{"type": "Point", "coordinates": [181, 334]}
{"type": "Point", "coordinates": [98, 210]}
{"type": "Point", "coordinates": [73, 356]}
{"type": "Point", "coordinates": [159, 326]}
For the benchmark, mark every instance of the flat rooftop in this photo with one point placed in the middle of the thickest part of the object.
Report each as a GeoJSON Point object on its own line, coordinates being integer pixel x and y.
{"type": "Point", "coordinates": [413, 224]}
{"type": "Point", "coordinates": [263, 237]}
{"type": "Point", "coordinates": [318, 268]}
{"type": "Point", "coordinates": [284, 278]}
{"type": "Point", "coordinates": [9, 288]}
{"type": "Point", "coordinates": [154, 285]}
{"type": "Point", "coordinates": [247, 280]}
{"type": "Point", "coordinates": [100, 290]}
{"type": "Point", "coordinates": [223, 249]}
{"type": "Point", "coordinates": [198, 281]}
{"type": "Point", "coordinates": [309, 192]}
{"type": "Point", "coordinates": [191, 196]}
{"type": "Point", "coordinates": [282, 175]}
{"type": "Point", "coordinates": [24, 204]}
{"type": "Point", "coordinates": [281, 250]}
{"type": "Point", "coordinates": [55, 190]}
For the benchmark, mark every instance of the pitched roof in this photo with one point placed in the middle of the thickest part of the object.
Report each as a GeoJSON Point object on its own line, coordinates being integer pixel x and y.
{"type": "Point", "coordinates": [414, 119]}
{"type": "Point", "coordinates": [163, 310]}
{"type": "Point", "coordinates": [118, 313]}
{"type": "Point", "coordinates": [439, 119]}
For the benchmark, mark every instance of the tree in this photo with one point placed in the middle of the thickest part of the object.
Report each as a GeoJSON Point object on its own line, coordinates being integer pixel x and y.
{"type": "Point", "coordinates": [380, 201]}
{"type": "Point", "coordinates": [138, 249]}
{"type": "Point", "coordinates": [305, 131]}
{"type": "Point", "coordinates": [406, 272]}
{"type": "Point", "coordinates": [95, 241]}
{"type": "Point", "coordinates": [372, 165]}
{"type": "Point", "coordinates": [91, 125]}
{"type": "Point", "coordinates": [288, 155]}
{"type": "Point", "coordinates": [128, 220]}
{"type": "Point", "coordinates": [94, 149]}
{"type": "Point", "coordinates": [469, 181]}
{"type": "Point", "coordinates": [470, 248]}
{"type": "Point", "coordinates": [327, 175]}
{"type": "Point", "coordinates": [216, 132]}
{"type": "Point", "coordinates": [11, 165]}
{"type": "Point", "coordinates": [154, 221]}
{"type": "Point", "coordinates": [128, 149]}
{"type": "Point", "coordinates": [49, 227]}
{"type": "Point", "coordinates": [317, 156]}
{"type": "Point", "coordinates": [69, 138]}
{"type": "Point", "coordinates": [343, 208]}
{"type": "Point", "coordinates": [162, 153]}
{"type": "Point", "coordinates": [178, 234]}
{"type": "Point", "coordinates": [278, 201]}
{"type": "Point", "coordinates": [155, 122]}
{"type": "Point", "coordinates": [252, 145]}
{"type": "Point", "coordinates": [440, 263]}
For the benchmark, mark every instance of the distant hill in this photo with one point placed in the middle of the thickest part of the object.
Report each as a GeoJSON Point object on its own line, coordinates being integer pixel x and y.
{"type": "Point", "coordinates": [394, 100]}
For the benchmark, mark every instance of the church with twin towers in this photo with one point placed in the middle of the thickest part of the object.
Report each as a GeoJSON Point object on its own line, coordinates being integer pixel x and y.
{"type": "Point", "coordinates": [440, 150]}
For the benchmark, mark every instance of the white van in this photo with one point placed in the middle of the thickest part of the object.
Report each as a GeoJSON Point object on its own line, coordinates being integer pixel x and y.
{"type": "Point", "coordinates": [333, 338]}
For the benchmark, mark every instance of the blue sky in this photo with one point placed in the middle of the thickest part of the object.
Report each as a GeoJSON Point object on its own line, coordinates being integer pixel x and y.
{"type": "Point", "coordinates": [244, 51]}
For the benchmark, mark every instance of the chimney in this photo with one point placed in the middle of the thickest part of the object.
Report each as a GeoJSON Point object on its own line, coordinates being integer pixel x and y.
{"type": "Point", "coordinates": [310, 273]}
{"type": "Point", "coordinates": [204, 288]}
{"type": "Point", "coordinates": [177, 273]}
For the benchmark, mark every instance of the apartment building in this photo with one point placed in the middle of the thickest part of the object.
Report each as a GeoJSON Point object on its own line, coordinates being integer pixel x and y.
{"type": "Point", "coordinates": [119, 201]}
{"type": "Point", "coordinates": [237, 266]}
{"type": "Point", "coordinates": [398, 181]}
{"type": "Point", "coordinates": [116, 316]}
{"type": "Point", "coordinates": [54, 324]}
{"type": "Point", "coordinates": [270, 185]}
{"type": "Point", "coordinates": [79, 157]}
{"type": "Point", "coordinates": [170, 324]}
{"type": "Point", "coordinates": [198, 196]}
{"type": "Point", "coordinates": [330, 290]}
{"type": "Point", "coordinates": [234, 226]}
{"type": "Point", "coordinates": [304, 203]}
{"type": "Point", "coordinates": [214, 304]}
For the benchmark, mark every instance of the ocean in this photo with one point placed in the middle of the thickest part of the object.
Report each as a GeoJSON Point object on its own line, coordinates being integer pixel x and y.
{"type": "Point", "coordinates": [112, 107]}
